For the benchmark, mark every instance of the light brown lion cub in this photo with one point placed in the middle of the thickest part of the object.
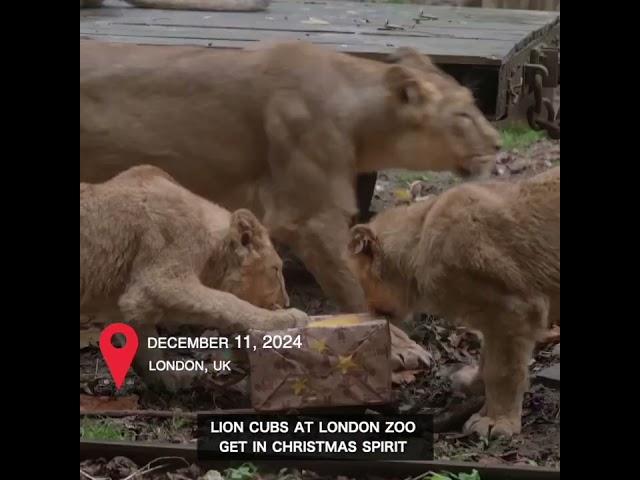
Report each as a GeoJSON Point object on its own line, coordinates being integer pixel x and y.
{"type": "Point", "coordinates": [151, 252]}
{"type": "Point", "coordinates": [485, 254]}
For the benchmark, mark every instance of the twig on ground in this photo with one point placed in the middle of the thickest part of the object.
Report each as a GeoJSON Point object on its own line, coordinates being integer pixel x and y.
{"type": "Point", "coordinates": [90, 377]}
{"type": "Point", "coordinates": [91, 477]}
{"type": "Point", "coordinates": [148, 469]}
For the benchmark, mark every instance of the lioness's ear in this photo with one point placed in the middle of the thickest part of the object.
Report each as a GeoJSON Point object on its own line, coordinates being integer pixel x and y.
{"type": "Point", "coordinates": [404, 85]}
{"type": "Point", "coordinates": [363, 241]}
{"type": "Point", "coordinates": [246, 225]}
{"type": "Point", "coordinates": [408, 89]}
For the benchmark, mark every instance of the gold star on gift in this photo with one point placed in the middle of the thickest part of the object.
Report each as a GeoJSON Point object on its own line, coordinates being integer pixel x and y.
{"type": "Point", "coordinates": [299, 386]}
{"type": "Point", "coordinates": [346, 363]}
{"type": "Point", "coordinates": [319, 346]}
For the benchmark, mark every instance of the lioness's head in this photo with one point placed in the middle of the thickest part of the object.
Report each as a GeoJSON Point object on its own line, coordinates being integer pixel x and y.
{"type": "Point", "coordinates": [252, 267]}
{"type": "Point", "coordinates": [386, 289]}
{"type": "Point", "coordinates": [438, 126]}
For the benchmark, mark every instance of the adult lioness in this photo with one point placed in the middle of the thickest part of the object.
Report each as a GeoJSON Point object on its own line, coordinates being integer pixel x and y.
{"type": "Point", "coordinates": [282, 131]}
{"type": "Point", "coordinates": [485, 254]}
{"type": "Point", "coordinates": [151, 252]}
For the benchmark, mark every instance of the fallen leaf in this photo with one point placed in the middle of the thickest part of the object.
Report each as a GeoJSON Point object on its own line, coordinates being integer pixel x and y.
{"type": "Point", "coordinates": [93, 467]}
{"type": "Point", "coordinates": [402, 194]}
{"type": "Point", "coordinates": [212, 475]}
{"type": "Point", "coordinates": [504, 158]}
{"type": "Point", "coordinates": [407, 354]}
{"type": "Point", "coordinates": [89, 337]}
{"type": "Point", "coordinates": [91, 403]}
{"type": "Point", "coordinates": [405, 377]}
{"type": "Point", "coordinates": [420, 189]}
{"type": "Point", "coordinates": [121, 467]}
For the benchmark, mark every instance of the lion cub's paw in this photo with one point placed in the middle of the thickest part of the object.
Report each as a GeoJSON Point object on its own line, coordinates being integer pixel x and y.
{"type": "Point", "coordinates": [293, 317]}
{"type": "Point", "coordinates": [492, 428]}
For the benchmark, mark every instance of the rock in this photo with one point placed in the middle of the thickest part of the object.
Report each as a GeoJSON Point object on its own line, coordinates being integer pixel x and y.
{"type": "Point", "coordinates": [517, 166]}
{"type": "Point", "coordinates": [499, 170]}
{"type": "Point", "coordinates": [550, 376]}
{"type": "Point", "coordinates": [121, 467]}
{"type": "Point", "coordinates": [556, 351]}
{"type": "Point", "coordinates": [212, 475]}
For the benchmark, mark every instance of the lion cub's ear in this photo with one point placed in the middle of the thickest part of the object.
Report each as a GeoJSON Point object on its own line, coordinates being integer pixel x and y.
{"type": "Point", "coordinates": [411, 58]}
{"type": "Point", "coordinates": [246, 226]}
{"type": "Point", "coordinates": [363, 241]}
{"type": "Point", "coordinates": [409, 90]}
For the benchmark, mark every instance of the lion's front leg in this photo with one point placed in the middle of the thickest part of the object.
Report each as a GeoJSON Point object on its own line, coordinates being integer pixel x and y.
{"type": "Point", "coordinates": [154, 300]}
{"type": "Point", "coordinates": [505, 373]}
{"type": "Point", "coordinates": [209, 308]}
{"type": "Point", "coordinates": [311, 199]}
{"type": "Point", "coordinates": [320, 242]}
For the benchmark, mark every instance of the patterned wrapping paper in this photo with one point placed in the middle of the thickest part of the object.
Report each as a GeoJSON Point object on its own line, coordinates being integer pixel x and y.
{"type": "Point", "coordinates": [342, 361]}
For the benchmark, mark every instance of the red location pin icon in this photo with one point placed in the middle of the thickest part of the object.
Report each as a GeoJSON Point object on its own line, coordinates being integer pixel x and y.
{"type": "Point", "coordinates": [118, 359]}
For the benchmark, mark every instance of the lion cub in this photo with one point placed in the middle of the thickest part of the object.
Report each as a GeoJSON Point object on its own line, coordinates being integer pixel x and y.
{"type": "Point", "coordinates": [151, 252]}
{"type": "Point", "coordinates": [485, 254]}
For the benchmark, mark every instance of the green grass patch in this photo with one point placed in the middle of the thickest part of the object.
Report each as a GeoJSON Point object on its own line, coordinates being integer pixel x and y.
{"type": "Point", "coordinates": [246, 471]}
{"type": "Point", "coordinates": [409, 176]}
{"type": "Point", "coordinates": [519, 136]}
{"type": "Point", "coordinates": [103, 429]}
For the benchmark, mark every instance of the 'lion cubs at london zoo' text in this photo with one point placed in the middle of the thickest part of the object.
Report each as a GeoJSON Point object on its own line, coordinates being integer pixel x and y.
{"type": "Point", "coordinates": [151, 252]}
{"type": "Point", "coordinates": [485, 254]}
{"type": "Point", "coordinates": [281, 130]}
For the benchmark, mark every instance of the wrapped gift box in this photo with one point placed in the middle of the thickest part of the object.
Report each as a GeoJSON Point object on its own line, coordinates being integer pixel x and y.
{"type": "Point", "coordinates": [334, 361]}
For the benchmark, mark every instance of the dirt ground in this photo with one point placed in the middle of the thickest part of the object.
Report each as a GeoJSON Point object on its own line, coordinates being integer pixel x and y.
{"type": "Point", "coordinates": [539, 443]}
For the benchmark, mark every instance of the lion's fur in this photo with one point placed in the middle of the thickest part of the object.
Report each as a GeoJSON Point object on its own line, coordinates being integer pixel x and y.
{"type": "Point", "coordinates": [485, 254]}
{"type": "Point", "coordinates": [151, 252]}
{"type": "Point", "coordinates": [282, 130]}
